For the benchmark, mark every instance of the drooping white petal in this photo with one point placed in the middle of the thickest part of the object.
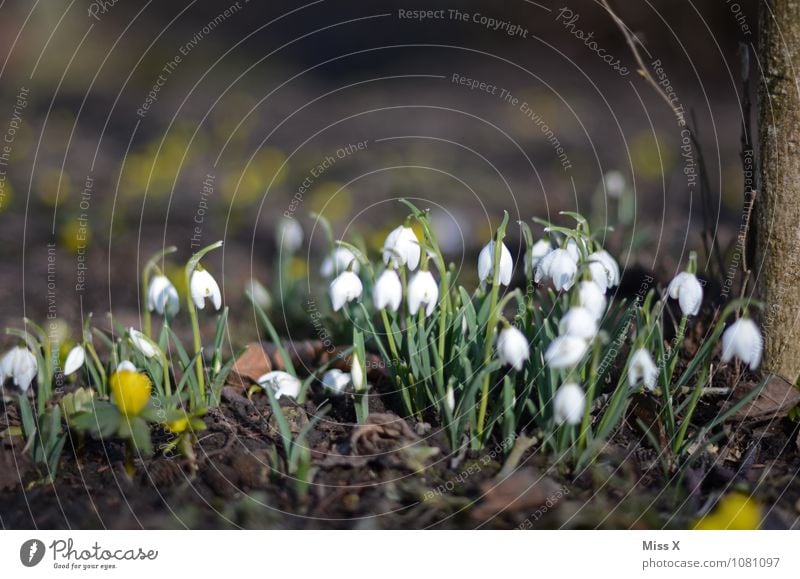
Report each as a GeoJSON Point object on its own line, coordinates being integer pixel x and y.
{"type": "Point", "coordinates": [19, 364]}
{"type": "Point", "coordinates": [388, 291]}
{"type": "Point", "coordinates": [578, 322]}
{"type": "Point", "coordinates": [142, 344]}
{"type": "Point", "coordinates": [560, 267]}
{"type": "Point", "coordinates": [590, 296]}
{"type": "Point", "coordinates": [565, 352]}
{"type": "Point", "coordinates": [615, 184]}
{"type": "Point", "coordinates": [335, 381]}
{"type": "Point", "coordinates": [422, 289]}
{"type": "Point", "coordinates": [203, 285]}
{"type": "Point", "coordinates": [126, 366]}
{"type": "Point", "coordinates": [513, 348]}
{"type": "Point", "coordinates": [162, 296]}
{"type": "Point", "coordinates": [401, 248]}
{"type": "Point", "coordinates": [538, 251]}
{"type": "Point", "coordinates": [642, 368]}
{"type": "Point", "coordinates": [686, 288]}
{"type": "Point", "coordinates": [290, 235]}
{"type": "Point", "coordinates": [603, 266]}
{"type": "Point", "coordinates": [743, 340]}
{"type": "Point", "coordinates": [569, 404]}
{"type": "Point", "coordinates": [345, 288]}
{"type": "Point", "coordinates": [74, 361]}
{"type": "Point", "coordinates": [282, 383]}
{"type": "Point", "coordinates": [486, 263]}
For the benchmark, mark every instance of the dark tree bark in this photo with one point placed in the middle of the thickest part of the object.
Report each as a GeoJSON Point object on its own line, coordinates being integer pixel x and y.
{"type": "Point", "coordinates": [777, 205]}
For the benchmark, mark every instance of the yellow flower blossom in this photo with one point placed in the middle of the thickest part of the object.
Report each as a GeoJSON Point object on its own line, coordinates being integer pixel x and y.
{"type": "Point", "coordinates": [130, 391]}
{"type": "Point", "coordinates": [736, 511]}
{"type": "Point", "coordinates": [178, 426]}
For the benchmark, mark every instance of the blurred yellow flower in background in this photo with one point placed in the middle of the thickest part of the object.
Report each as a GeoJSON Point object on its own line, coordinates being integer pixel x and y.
{"type": "Point", "coordinates": [331, 201]}
{"type": "Point", "coordinates": [736, 511]}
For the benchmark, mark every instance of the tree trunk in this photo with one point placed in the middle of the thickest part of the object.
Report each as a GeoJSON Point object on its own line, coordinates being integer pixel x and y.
{"type": "Point", "coordinates": [777, 205]}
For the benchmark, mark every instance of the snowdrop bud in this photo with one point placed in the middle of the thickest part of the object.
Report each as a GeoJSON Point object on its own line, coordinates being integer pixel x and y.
{"type": "Point", "coordinates": [559, 266]}
{"type": "Point", "coordinates": [578, 322]}
{"type": "Point", "coordinates": [450, 398]}
{"type": "Point", "coordinates": [569, 404]}
{"type": "Point", "coordinates": [401, 248]}
{"type": "Point", "coordinates": [290, 235]}
{"type": "Point", "coordinates": [604, 269]}
{"type": "Point", "coordinates": [74, 361]}
{"type": "Point", "coordinates": [260, 294]}
{"type": "Point", "coordinates": [565, 352]}
{"type": "Point", "coordinates": [341, 259]}
{"type": "Point", "coordinates": [422, 289]}
{"type": "Point", "coordinates": [162, 296]}
{"type": "Point", "coordinates": [126, 366]}
{"type": "Point", "coordinates": [203, 285]}
{"type": "Point", "coordinates": [615, 184]}
{"type": "Point", "coordinates": [282, 383]}
{"type": "Point", "coordinates": [20, 364]}
{"type": "Point", "coordinates": [641, 368]}
{"type": "Point", "coordinates": [335, 381]}
{"type": "Point", "coordinates": [344, 289]}
{"type": "Point", "coordinates": [743, 340]}
{"type": "Point", "coordinates": [539, 250]}
{"type": "Point", "coordinates": [486, 263]}
{"type": "Point", "coordinates": [513, 348]}
{"type": "Point", "coordinates": [357, 373]}
{"type": "Point", "coordinates": [686, 288]}
{"type": "Point", "coordinates": [590, 296]}
{"type": "Point", "coordinates": [142, 344]}
{"type": "Point", "coordinates": [388, 291]}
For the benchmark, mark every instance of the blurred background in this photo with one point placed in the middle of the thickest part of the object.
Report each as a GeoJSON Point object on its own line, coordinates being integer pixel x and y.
{"type": "Point", "coordinates": [128, 126]}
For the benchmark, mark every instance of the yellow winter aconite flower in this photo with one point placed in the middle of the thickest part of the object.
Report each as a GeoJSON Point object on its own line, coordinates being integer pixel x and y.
{"type": "Point", "coordinates": [178, 426]}
{"type": "Point", "coordinates": [130, 391]}
{"type": "Point", "coordinates": [736, 511]}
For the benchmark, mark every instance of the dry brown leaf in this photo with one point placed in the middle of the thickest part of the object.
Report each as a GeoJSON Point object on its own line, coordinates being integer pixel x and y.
{"type": "Point", "coordinates": [525, 491]}
{"type": "Point", "coordinates": [251, 365]}
{"type": "Point", "coordinates": [381, 433]}
{"type": "Point", "coordinates": [776, 399]}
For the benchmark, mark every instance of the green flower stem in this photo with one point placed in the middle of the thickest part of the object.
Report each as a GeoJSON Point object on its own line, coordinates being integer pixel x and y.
{"type": "Point", "coordinates": [191, 265]}
{"type": "Point", "coordinates": [590, 391]}
{"type": "Point", "coordinates": [404, 383]}
{"type": "Point", "coordinates": [96, 359]}
{"type": "Point", "coordinates": [698, 390]}
{"type": "Point", "coordinates": [490, 325]}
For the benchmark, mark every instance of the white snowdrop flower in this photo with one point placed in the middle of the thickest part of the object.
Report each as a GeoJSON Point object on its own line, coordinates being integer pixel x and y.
{"type": "Point", "coordinates": [539, 250]}
{"type": "Point", "coordinates": [574, 251]}
{"type": "Point", "coordinates": [259, 293]}
{"type": "Point", "coordinates": [591, 297]}
{"type": "Point", "coordinates": [422, 289]}
{"type": "Point", "coordinates": [565, 352]}
{"type": "Point", "coordinates": [282, 383]}
{"type": "Point", "coordinates": [578, 322]}
{"type": "Point", "coordinates": [486, 263]}
{"type": "Point", "coordinates": [604, 269]}
{"type": "Point", "coordinates": [642, 368]}
{"type": "Point", "coordinates": [560, 266]}
{"type": "Point", "coordinates": [75, 360]}
{"type": "Point", "coordinates": [142, 344]}
{"type": "Point", "coordinates": [341, 259]}
{"type": "Point", "coordinates": [203, 285]}
{"type": "Point", "coordinates": [615, 184]}
{"type": "Point", "coordinates": [345, 288]}
{"type": "Point", "coordinates": [450, 398]}
{"type": "Point", "coordinates": [162, 296]}
{"type": "Point", "coordinates": [126, 366]}
{"type": "Point", "coordinates": [290, 235]}
{"type": "Point", "coordinates": [743, 340]}
{"type": "Point", "coordinates": [335, 381]}
{"type": "Point", "coordinates": [19, 364]}
{"type": "Point", "coordinates": [401, 248]}
{"type": "Point", "coordinates": [357, 373]}
{"type": "Point", "coordinates": [513, 348]}
{"type": "Point", "coordinates": [388, 291]}
{"type": "Point", "coordinates": [569, 404]}
{"type": "Point", "coordinates": [686, 288]}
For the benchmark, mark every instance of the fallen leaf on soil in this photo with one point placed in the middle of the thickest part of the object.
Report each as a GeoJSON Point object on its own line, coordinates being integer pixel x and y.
{"type": "Point", "coordinates": [389, 437]}
{"type": "Point", "coordinates": [776, 399]}
{"type": "Point", "coordinates": [251, 365]}
{"type": "Point", "coordinates": [525, 490]}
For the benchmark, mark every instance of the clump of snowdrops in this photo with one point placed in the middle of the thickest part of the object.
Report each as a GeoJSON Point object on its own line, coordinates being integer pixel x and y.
{"type": "Point", "coordinates": [558, 357]}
